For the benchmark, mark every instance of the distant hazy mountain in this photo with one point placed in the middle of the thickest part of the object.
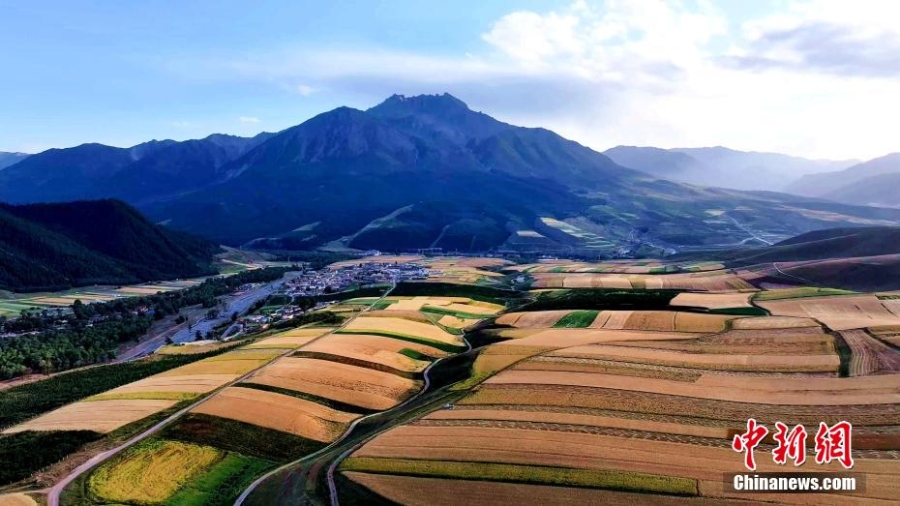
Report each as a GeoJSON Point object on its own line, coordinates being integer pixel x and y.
{"type": "Point", "coordinates": [57, 246]}
{"type": "Point", "coordinates": [722, 167]}
{"type": "Point", "coordinates": [8, 159]}
{"type": "Point", "coordinates": [875, 182]}
{"type": "Point", "coordinates": [141, 173]}
{"type": "Point", "coordinates": [423, 172]}
{"type": "Point", "coordinates": [663, 163]}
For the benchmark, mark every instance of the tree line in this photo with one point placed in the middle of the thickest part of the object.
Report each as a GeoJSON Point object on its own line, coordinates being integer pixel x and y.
{"type": "Point", "coordinates": [50, 342]}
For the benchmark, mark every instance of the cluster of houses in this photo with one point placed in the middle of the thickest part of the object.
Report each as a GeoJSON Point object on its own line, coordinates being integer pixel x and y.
{"type": "Point", "coordinates": [326, 281]}
{"type": "Point", "coordinates": [313, 283]}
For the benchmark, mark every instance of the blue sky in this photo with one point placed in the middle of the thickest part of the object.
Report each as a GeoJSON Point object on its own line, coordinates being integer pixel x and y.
{"type": "Point", "coordinates": [799, 77]}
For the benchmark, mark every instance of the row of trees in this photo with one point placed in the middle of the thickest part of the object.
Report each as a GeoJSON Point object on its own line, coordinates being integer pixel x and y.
{"type": "Point", "coordinates": [93, 332]}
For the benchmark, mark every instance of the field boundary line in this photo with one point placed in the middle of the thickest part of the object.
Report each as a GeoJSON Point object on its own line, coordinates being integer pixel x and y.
{"type": "Point", "coordinates": [56, 490]}
{"type": "Point", "coordinates": [256, 483]}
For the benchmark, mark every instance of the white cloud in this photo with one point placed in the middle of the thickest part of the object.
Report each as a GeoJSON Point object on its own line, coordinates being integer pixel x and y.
{"type": "Point", "coordinates": [304, 90]}
{"type": "Point", "coordinates": [815, 78]}
{"type": "Point", "coordinates": [182, 124]}
{"type": "Point", "coordinates": [249, 120]}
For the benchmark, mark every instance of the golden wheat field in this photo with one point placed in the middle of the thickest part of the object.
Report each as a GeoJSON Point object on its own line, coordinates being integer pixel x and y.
{"type": "Point", "coordinates": [655, 395]}
{"type": "Point", "coordinates": [290, 339]}
{"type": "Point", "coordinates": [197, 383]}
{"type": "Point", "coordinates": [383, 343]}
{"type": "Point", "coordinates": [363, 325]}
{"type": "Point", "coordinates": [152, 472]}
{"type": "Point", "coordinates": [97, 416]}
{"type": "Point", "coordinates": [16, 499]}
{"type": "Point", "coordinates": [783, 393]}
{"type": "Point", "coordinates": [190, 348]}
{"type": "Point", "coordinates": [533, 319]}
{"type": "Point", "coordinates": [658, 321]}
{"type": "Point", "coordinates": [772, 322]}
{"type": "Point", "coordinates": [585, 420]}
{"type": "Point", "coordinates": [279, 412]}
{"type": "Point", "coordinates": [457, 323]}
{"type": "Point", "coordinates": [562, 338]}
{"type": "Point", "coordinates": [838, 313]}
{"type": "Point", "coordinates": [712, 300]}
{"type": "Point", "coordinates": [598, 452]}
{"type": "Point", "coordinates": [716, 281]}
{"type": "Point", "coordinates": [364, 348]}
{"type": "Point", "coordinates": [357, 386]}
{"type": "Point", "coordinates": [725, 361]}
{"type": "Point", "coordinates": [224, 364]}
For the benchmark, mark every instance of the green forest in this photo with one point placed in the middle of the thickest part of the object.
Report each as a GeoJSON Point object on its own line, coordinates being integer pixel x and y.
{"type": "Point", "coordinates": [93, 332]}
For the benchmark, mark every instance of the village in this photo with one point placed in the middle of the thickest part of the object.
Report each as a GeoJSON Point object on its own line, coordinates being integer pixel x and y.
{"type": "Point", "coordinates": [316, 289]}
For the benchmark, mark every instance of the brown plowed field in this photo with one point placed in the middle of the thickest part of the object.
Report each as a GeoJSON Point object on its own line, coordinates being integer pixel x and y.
{"type": "Point", "coordinates": [361, 348]}
{"type": "Point", "coordinates": [838, 313]}
{"type": "Point", "coordinates": [775, 395]}
{"type": "Point", "coordinates": [280, 412]}
{"type": "Point", "coordinates": [562, 338]}
{"type": "Point", "coordinates": [869, 355]}
{"type": "Point", "coordinates": [358, 386]}
{"type": "Point", "coordinates": [662, 404]}
{"type": "Point", "coordinates": [420, 491]}
{"type": "Point", "coordinates": [585, 420]}
{"type": "Point", "coordinates": [643, 355]}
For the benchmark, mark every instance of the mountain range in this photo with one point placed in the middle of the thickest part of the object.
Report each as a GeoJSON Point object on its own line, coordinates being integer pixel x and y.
{"type": "Point", "coordinates": [145, 172]}
{"type": "Point", "coordinates": [424, 172]}
{"type": "Point", "coordinates": [723, 167]}
{"type": "Point", "coordinates": [875, 182]}
{"type": "Point", "coordinates": [58, 246]}
{"type": "Point", "coordinates": [8, 159]}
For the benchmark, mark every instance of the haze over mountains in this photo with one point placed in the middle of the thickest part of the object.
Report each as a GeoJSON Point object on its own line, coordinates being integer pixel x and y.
{"type": "Point", "coordinates": [875, 182]}
{"type": "Point", "coordinates": [723, 167]}
{"type": "Point", "coordinates": [7, 159]}
{"type": "Point", "coordinates": [428, 172]}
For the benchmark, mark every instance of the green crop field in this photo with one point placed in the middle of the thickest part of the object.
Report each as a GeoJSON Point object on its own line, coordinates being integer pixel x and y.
{"type": "Point", "coordinates": [577, 319]}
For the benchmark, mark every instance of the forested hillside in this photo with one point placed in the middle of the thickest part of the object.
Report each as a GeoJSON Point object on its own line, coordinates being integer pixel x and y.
{"type": "Point", "coordinates": [58, 246]}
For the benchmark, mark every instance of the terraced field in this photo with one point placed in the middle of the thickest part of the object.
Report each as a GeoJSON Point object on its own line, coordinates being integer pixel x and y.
{"type": "Point", "coordinates": [641, 406]}
{"type": "Point", "coordinates": [630, 394]}
{"type": "Point", "coordinates": [307, 397]}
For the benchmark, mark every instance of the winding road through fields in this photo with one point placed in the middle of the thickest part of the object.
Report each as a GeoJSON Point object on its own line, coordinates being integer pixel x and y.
{"type": "Point", "coordinates": [334, 453]}
{"type": "Point", "coordinates": [54, 492]}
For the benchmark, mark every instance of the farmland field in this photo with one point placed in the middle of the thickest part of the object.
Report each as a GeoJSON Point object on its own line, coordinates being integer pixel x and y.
{"type": "Point", "coordinates": [152, 472]}
{"type": "Point", "coordinates": [618, 382]}
{"type": "Point", "coordinates": [648, 400]}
